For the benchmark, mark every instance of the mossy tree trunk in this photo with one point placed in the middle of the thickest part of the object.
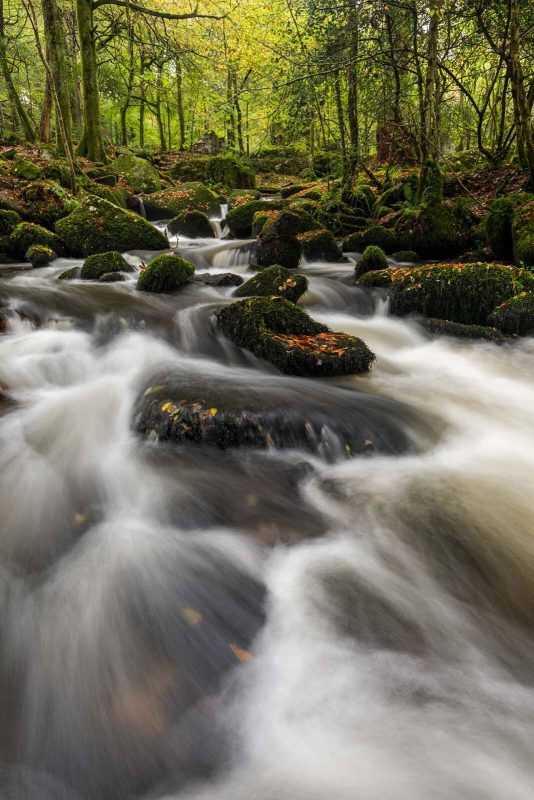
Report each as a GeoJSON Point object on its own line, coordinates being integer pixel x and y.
{"type": "Point", "coordinates": [428, 134]}
{"type": "Point", "coordinates": [25, 119]}
{"type": "Point", "coordinates": [524, 128]}
{"type": "Point", "coordinates": [92, 142]}
{"type": "Point", "coordinates": [55, 37]}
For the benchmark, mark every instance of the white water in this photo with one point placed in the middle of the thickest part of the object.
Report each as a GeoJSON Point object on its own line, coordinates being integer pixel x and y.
{"type": "Point", "coordinates": [391, 656]}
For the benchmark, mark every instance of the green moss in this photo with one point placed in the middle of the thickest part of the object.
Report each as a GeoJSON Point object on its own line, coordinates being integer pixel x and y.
{"type": "Point", "coordinates": [27, 170]}
{"type": "Point", "coordinates": [406, 256]}
{"type": "Point", "coordinates": [287, 191]}
{"type": "Point", "coordinates": [464, 293]}
{"type": "Point", "coordinates": [104, 263]}
{"type": "Point", "coordinates": [431, 190]}
{"type": "Point", "coordinates": [8, 222]}
{"type": "Point", "coordinates": [320, 245]}
{"type": "Point", "coordinates": [69, 274]}
{"type": "Point", "coordinates": [515, 316]}
{"type": "Point", "coordinates": [225, 169]}
{"type": "Point", "coordinates": [58, 171]}
{"type": "Point", "coordinates": [39, 256]}
{"type": "Point", "coordinates": [165, 274]}
{"type": "Point", "coordinates": [376, 278]}
{"type": "Point", "coordinates": [97, 226]}
{"type": "Point", "coordinates": [278, 331]}
{"type": "Point", "coordinates": [523, 234]}
{"type": "Point", "coordinates": [48, 202]}
{"type": "Point", "coordinates": [442, 327]}
{"type": "Point", "coordinates": [193, 224]}
{"type": "Point", "coordinates": [376, 235]}
{"type": "Point", "coordinates": [27, 234]}
{"type": "Point", "coordinates": [240, 219]}
{"type": "Point", "coordinates": [193, 196]}
{"type": "Point", "coordinates": [274, 281]}
{"type": "Point", "coordinates": [139, 173]}
{"type": "Point", "coordinates": [112, 277]}
{"type": "Point", "coordinates": [104, 192]}
{"type": "Point", "coordinates": [277, 243]}
{"type": "Point", "coordinates": [258, 221]}
{"type": "Point", "coordinates": [498, 228]}
{"type": "Point", "coordinates": [373, 258]}
{"type": "Point", "coordinates": [433, 232]}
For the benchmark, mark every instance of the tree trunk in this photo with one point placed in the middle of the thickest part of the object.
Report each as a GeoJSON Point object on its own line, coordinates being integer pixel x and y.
{"type": "Point", "coordinates": [180, 105]}
{"type": "Point", "coordinates": [524, 129]}
{"type": "Point", "coordinates": [352, 101]}
{"type": "Point", "coordinates": [55, 38]}
{"type": "Point", "coordinates": [92, 142]}
{"type": "Point", "coordinates": [428, 134]}
{"type": "Point", "coordinates": [45, 125]}
{"type": "Point", "coordinates": [20, 111]}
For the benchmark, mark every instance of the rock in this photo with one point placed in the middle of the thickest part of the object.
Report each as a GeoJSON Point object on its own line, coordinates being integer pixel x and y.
{"type": "Point", "coordinates": [192, 196]}
{"type": "Point", "coordinates": [112, 277]}
{"type": "Point", "coordinates": [278, 243]}
{"type": "Point", "coordinates": [442, 327]}
{"type": "Point", "coordinates": [225, 170]}
{"type": "Point", "coordinates": [97, 226]}
{"type": "Point", "coordinates": [373, 258]}
{"type": "Point", "coordinates": [514, 316]}
{"type": "Point", "coordinates": [238, 197]}
{"type": "Point", "coordinates": [27, 234]}
{"type": "Point", "coordinates": [280, 332]}
{"type": "Point", "coordinates": [222, 279]}
{"type": "Point", "coordinates": [498, 228]}
{"type": "Point", "coordinates": [320, 245]}
{"type": "Point", "coordinates": [40, 256]}
{"type": "Point", "coordinates": [406, 257]}
{"type": "Point", "coordinates": [435, 232]}
{"type": "Point", "coordinates": [4, 327]}
{"type": "Point", "coordinates": [193, 224]}
{"type": "Point", "coordinates": [139, 173]}
{"type": "Point", "coordinates": [104, 264]}
{"type": "Point", "coordinates": [274, 281]}
{"type": "Point", "coordinates": [523, 234]}
{"type": "Point", "coordinates": [376, 278]}
{"type": "Point", "coordinates": [9, 203]}
{"type": "Point", "coordinates": [48, 202]}
{"type": "Point", "coordinates": [27, 170]}
{"type": "Point", "coordinates": [464, 293]}
{"type": "Point", "coordinates": [69, 274]}
{"type": "Point", "coordinates": [376, 235]}
{"type": "Point", "coordinates": [58, 171]}
{"type": "Point", "coordinates": [165, 274]}
{"type": "Point", "coordinates": [8, 222]}
{"type": "Point", "coordinates": [239, 219]}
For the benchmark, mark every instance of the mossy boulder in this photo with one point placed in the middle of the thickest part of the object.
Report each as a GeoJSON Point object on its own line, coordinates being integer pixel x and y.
{"type": "Point", "coordinates": [97, 226]}
{"type": "Point", "coordinates": [58, 171]}
{"type": "Point", "coordinates": [165, 273]}
{"type": "Point", "coordinates": [38, 255]}
{"type": "Point", "coordinates": [498, 228]}
{"type": "Point", "coordinates": [523, 234]}
{"type": "Point", "coordinates": [193, 196]}
{"type": "Point", "coordinates": [433, 232]}
{"type": "Point", "coordinates": [406, 256]}
{"type": "Point", "coordinates": [47, 202]}
{"type": "Point", "coordinates": [464, 293]}
{"type": "Point", "coordinates": [376, 278]}
{"type": "Point", "coordinates": [442, 327]}
{"type": "Point", "coordinates": [69, 274]}
{"type": "Point", "coordinates": [376, 235]}
{"type": "Point", "coordinates": [27, 234]}
{"type": "Point", "coordinates": [373, 258]}
{"type": "Point", "coordinates": [27, 170]}
{"type": "Point", "coordinates": [8, 221]}
{"type": "Point", "coordinates": [139, 173]}
{"type": "Point", "coordinates": [283, 334]}
{"type": "Point", "coordinates": [240, 219]}
{"type": "Point", "coordinates": [274, 281]}
{"type": "Point", "coordinates": [278, 243]}
{"type": "Point", "coordinates": [320, 245]}
{"type": "Point", "coordinates": [223, 170]}
{"type": "Point", "coordinates": [112, 277]}
{"type": "Point", "coordinates": [104, 264]}
{"type": "Point", "coordinates": [514, 316]}
{"type": "Point", "coordinates": [193, 224]}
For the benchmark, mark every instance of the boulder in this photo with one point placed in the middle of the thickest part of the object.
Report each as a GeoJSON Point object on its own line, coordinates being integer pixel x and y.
{"type": "Point", "coordinates": [376, 235]}
{"type": "Point", "coordinates": [406, 257]}
{"type": "Point", "coordinates": [221, 279]}
{"type": "Point", "coordinates": [320, 245]}
{"type": "Point", "coordinates": [27, 170]}
{"type": "Point", "coordinates": [274, 281]}
{"type": "Point", "coordinates": [8, 221]}
{"type": "Point", "coordinates": [373, 258]}
{"type": "Point", "coordinates": [69, 274]}
{"type": "Point", "coordinates": [283, 334]}
{"type": "Point", "coordinates": [498, 228]}
{"type": "Point", "coordinates": [192, 224]}
{"type": "Point", "coordinates": [47, 202]}
{"type": "Point", "coordinates": [434, 232]}
{"type": "Point", "coordinates": [169, 203]}
{"type": "Point", "coordinates": [514, 316]}
{"type": "Point", "coordinates": [104, 264]}
{"type": "Point", "coordinates": [277, 243]}
{"type": "Point", "coordinates": [239, 219]}
{"type": "Point", "coordinates": [97, 226]}
{"type": "Point", "coordinates": [376, 278]}
{"type": "Point", "coordinates": [139, 173]}
{"type": "Point", "coordinates": [523, 234]}
{"type": "Point", "coordinates": [39, 256]}
{"type": "Point", "coordinates": [225, 170]}
{"type": "Point", "coordinates": [165, 274]}
{"type": "Point", "coordinates": [442, 327]}
{"type": "Point", "coordinates": [27, 234]}
{"type": "Point", "coordinates": [112, 277]}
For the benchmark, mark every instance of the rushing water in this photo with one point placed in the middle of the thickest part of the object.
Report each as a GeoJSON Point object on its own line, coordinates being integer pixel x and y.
{"type": "Point", "coordinates": [281, 625]}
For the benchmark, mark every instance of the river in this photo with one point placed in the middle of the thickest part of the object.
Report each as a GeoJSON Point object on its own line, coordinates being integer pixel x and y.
{"type": "Point", "coordinates": [282, 624]}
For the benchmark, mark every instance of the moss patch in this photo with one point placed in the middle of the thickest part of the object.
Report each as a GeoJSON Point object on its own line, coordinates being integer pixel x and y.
{"type": "Point", "coordinates": [274, 281]}
{"type": "Point", "coordinates": [376, 235]}
{"type": "Point", "coordinates": [239, 220]}
{"type": "Point", "coordinates": [320, 245]}
{"type": "Point", "coordinates": [139, 173]}
{"type": "Point", "coordinates": [27, 234]}
{"type": "Point", "coordinates": [104, 263]}
{"type": "Point", "coordinates": [523, 234]}
{"type": "Point", "coordinates": [165, 274]}
{"type": "Point", "coordinates": [39, 256]}
{"type": "Point", "coordinates": [192, 196]}
{"type": "Point", "coordinates": [442, 327]}
{"type": "Point", "coordinates": [373, 258]}
{"type": "Point", "coordinates": [48, 202]}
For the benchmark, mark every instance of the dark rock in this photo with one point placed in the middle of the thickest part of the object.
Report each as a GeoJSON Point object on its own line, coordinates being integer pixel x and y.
{"type": "Point", "coordinates": [320, 245]}
{"type": "Point", "coordinates": [112, 277]}
{"type": "Point", "coordinates": [274, 281]}
{"type": "Point", "coordinates": [442, 327]}
{"type": "Point", "coordinates": [193, 224]}
{"type": "Point", "coordinates": [376, 235]}
{"type": "Point", "coordinates": [223, 279]}
{"type": "Point", "coordinates": [39, 256]}
{"type": "Point", "coordinates": [514, 316]}
{"type": "Point", "coordinates": [373, 258]}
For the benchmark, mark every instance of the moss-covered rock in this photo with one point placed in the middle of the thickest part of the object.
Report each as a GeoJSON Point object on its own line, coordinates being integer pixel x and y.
{"type": "Point", "coordinates": [26, 170]}
{"type": "Point", "coordinates": [280, 332]}
{"type": "Point", "coordinates": [376, 278]}
{"type": "Point", "coordinates": [515, 316]}
{"type": "Point", "coordinates": [498, 228]}
{"type": "Point", "coordinates": [464, 293]}
{"type": "Point", "coordinates": [376, 235]}
{"type": "Point", "coordinates": [224, 170]}
{"type": "Point", "coordinates": [523, 234]}
{"type": "Point", "coordinates": [139, 173]}
{"type": "Point", "coordinates": [373, 258]}
{"type": "Point", "coordinates": [48, 202]}
{"type": "Point", "coordinates": [58, 171]}
{"type": "Point", "coordinates": [38, 255]}
{"type": "Point", "coordinates": [27, 234]}
{"type": "Point", "coordinates": [274, 281]}
{"type": "Point", "coordinates": [165, 274]}
{"type": "Point", "coordinates": [240, 219]}
{"type": "Point", "coordinates": [104, 264]}
{"type": "Point", "coordinates": [193, 224]}
{"type": "Point", "coordinates": [193, 196]}
{"type": "Point", "coordinates": [69, 274]}
{"type": "Point", "coordinates": [406, 256]}
{"type": "Point", "coordinates": [8, 222]}
{"type": "Point", "coordinates": [320, 245]}
{"type": "Point", "coordinates": [112, 277]}
{"type": "Point", "coordinates": [97, 226]}
{"type": "Point", "coordinates": [433, 232]}
{"type": "Point", "coordinates": [442, 327]}
{"type": "Point", "coordinates": [219, 279]}
{"type": "Point", "coordinates": [278, 244]}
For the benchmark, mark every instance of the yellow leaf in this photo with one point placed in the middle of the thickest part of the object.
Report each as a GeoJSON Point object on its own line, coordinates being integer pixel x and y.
{"type": "Point", "coordinates": [212, 411]}
{"type": "Point", "coordinates": [192, 616]}
{"type": "Point", "coordinates": [241, 655]}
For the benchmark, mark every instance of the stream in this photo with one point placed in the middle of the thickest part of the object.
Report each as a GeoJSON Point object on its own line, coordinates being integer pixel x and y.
{"type": "Point", "coordinates": [186, 622]}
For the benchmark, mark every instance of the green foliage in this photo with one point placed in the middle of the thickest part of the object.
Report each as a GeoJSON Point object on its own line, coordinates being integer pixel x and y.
{"type": "Point", "coordinates": [165, 274]}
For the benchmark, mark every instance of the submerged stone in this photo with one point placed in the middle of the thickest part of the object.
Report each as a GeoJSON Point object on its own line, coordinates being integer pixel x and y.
{"type": "Point", "coordinates": [222, 279]}
{"type": "Point", "coordinates": [442, 327]}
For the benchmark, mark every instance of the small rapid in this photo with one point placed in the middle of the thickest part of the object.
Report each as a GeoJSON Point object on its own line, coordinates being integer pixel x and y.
{"type": "Point", "coordinates": [179, 621]}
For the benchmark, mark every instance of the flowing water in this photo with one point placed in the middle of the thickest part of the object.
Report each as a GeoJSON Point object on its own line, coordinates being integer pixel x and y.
{"type": "Point", "coordinates": [280, 624]}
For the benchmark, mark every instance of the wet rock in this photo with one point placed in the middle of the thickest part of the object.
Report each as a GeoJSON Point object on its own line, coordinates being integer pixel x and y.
{"type": "Point", "coordinates": [165, 274]}
{"type": "Point", "coordinates": [376, 235]}
{"type": "Point", "coordinates": [40, 256]}
{"type": "Point", "coordinates": [377, 278]}
{"type": "Point", "coordinates": [436, 232]}
{"type": "Point", "coordinates": [168, 203]}
{"type": "Point", "coordinates": [523, 234]}
{"type": "Point", "coordinates": [69, 274]}
{"type": "Point", "coordinates": [192, 224]}
{"type": "Point", "coordinates": [442, 327]}
{"type": "Point", "coordinates": [139, 173]}
{"type": "Point", "coordinates": [373, 258]}
{"type": "Point", "coordinates": [320, 245]}
{"type": "Point", "coordinates": [278, 243]}
{"type": "Point", "coordinates": [101, 264]}
{"type": "Point", "coordinates": [278, 331]}
{"type": "Point", "coordinates": [223, 279]}
{"type": "Point", "coordinates": [48, 202]}
{"type": "Point", "coordinates": [97, 226]}
{"type": "Point", "coordinates": [240, 219]}
{"type": "Point", "coordinates": [8, 222]}
{"type": "Point", "coordinates": [274, 281]}
{"type": "Point", "coordinates": [27, 234]}
{"type": "Point", "coordinates": [407, 256]}
{"type": "Point", "coordinates": [514, 316]}
{"type": "Point", "coordinates": [112, 277]}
